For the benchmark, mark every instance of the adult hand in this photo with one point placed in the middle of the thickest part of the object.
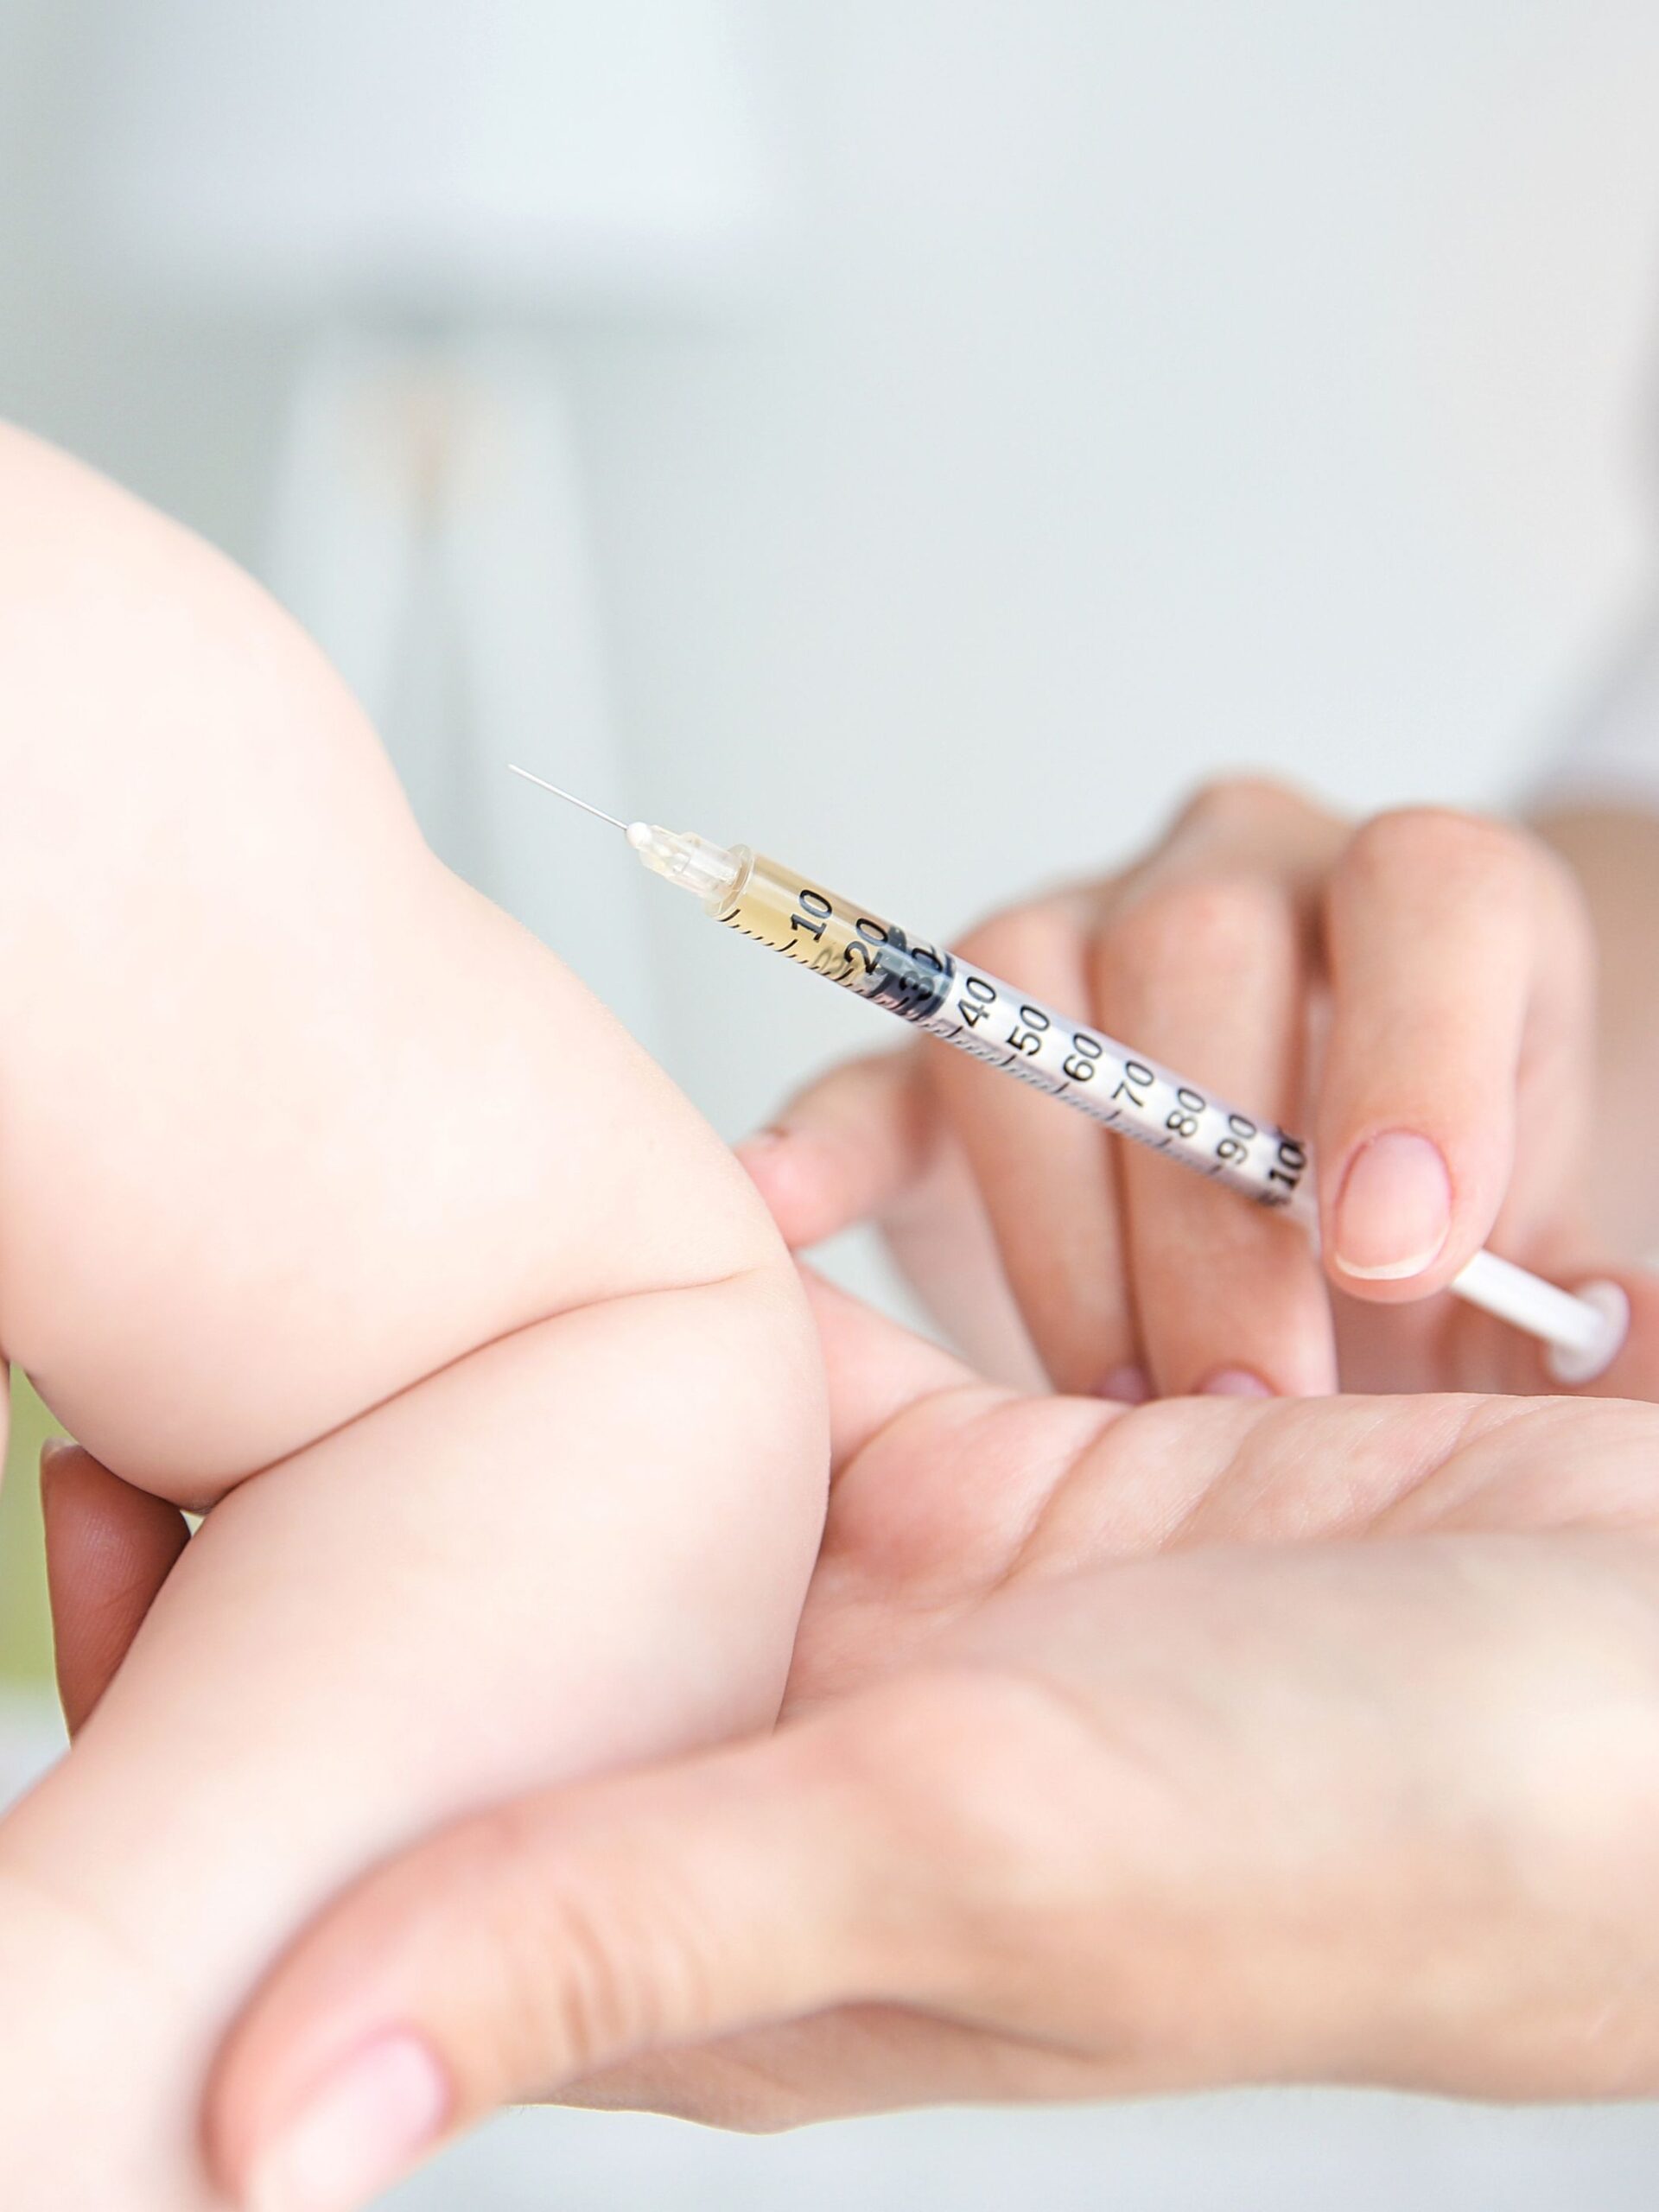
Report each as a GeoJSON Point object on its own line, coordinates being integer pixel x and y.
{"type": "Point", "coordinates": [1416, 995]}
{"type": "Point", "coordinates": [1208, 1742]}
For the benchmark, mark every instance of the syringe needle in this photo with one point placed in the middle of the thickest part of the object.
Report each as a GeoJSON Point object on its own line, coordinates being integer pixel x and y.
{"type": "Point", "coordinates": [1079, 1066]}
{"type": "Point", "coordinates": [598, 811]}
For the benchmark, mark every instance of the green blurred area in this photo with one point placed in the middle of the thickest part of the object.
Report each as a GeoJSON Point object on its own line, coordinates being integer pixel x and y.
{"type": "Point", "coordinates": [25, 1635]}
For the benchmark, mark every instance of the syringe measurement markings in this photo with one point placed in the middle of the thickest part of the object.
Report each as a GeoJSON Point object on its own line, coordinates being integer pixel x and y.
{"type": "Point", "coordinates": [737, 886]}
{"type": "Point", "coordinates": [1244, 1169]}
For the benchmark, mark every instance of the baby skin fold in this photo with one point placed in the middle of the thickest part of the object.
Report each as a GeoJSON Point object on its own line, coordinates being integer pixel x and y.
{"type": "Point", "coordinates": [333, 1205]}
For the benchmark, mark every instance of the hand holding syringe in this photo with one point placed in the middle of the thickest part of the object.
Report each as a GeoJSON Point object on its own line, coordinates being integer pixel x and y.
{"type": "Point", "coordinates": [1080, 1065]}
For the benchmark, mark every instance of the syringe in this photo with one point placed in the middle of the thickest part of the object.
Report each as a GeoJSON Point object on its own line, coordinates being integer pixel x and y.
{"type": "Point", "coordinates": [1123, 1089]}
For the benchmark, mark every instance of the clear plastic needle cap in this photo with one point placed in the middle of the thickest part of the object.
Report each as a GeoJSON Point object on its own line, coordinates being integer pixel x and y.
{"type": "Point", "coordinates": [706, 870]}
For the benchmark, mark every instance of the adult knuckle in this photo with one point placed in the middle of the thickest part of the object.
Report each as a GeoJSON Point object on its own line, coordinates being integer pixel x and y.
{"type": "Point", "coordinates": [1021, 942]}
{"type": "Point", "coordinates": [1239, 802]}
{"type": "Point", "coordinates": [579, 2002]}
{"type": "Point", "coordinates": [1215, 923]}
{"type": "Point", "coordinates": [1441, 846]}
{"type": "Point", "coordinates": [561, 1988]}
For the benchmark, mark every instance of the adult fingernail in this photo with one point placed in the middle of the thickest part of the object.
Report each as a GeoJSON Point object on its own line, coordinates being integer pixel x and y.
{"type": "Point", "coordinates": [1130, 1384]}
{"type": "Point", "coordinates": [361, 2129]}
{"type": "Point", "coordinates": [53, 1449]}
{"type": "Point", "coordinates": [1394, 1211]}
{"type": "Point", "coordinates": [1235, 1383]}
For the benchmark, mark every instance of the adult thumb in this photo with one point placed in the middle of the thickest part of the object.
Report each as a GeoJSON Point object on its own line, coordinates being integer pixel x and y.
{"type": "Point", "coordinates": [534, 1945]}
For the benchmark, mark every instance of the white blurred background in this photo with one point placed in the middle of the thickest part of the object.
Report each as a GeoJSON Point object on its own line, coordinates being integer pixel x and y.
{"type": "Point", "coordinates": [922, 437]}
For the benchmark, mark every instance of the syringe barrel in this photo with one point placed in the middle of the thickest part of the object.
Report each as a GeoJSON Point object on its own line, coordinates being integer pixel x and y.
{"type": "Point", "coordinates": [1007, 1029]}
{"type": "Point", "coordinates": [1083, 1068]}
{"type": "Point", "coordinates": [818, 929]}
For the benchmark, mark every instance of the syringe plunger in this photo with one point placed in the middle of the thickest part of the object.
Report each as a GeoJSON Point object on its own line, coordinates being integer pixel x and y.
{"type": "Point", "coordinates": [1077, 1065]}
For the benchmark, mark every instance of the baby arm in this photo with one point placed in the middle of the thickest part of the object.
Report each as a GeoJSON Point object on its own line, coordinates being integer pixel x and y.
{"type": "Point", "coordinates": [328, 1200]}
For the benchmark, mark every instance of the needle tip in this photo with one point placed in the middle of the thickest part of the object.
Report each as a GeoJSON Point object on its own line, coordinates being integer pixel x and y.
{"type": "Point", "coordinates": [558, 791]}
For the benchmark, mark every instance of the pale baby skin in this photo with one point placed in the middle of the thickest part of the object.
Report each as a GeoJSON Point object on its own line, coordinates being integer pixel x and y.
{"type": "Point", "coordinates": [331, 1202]}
